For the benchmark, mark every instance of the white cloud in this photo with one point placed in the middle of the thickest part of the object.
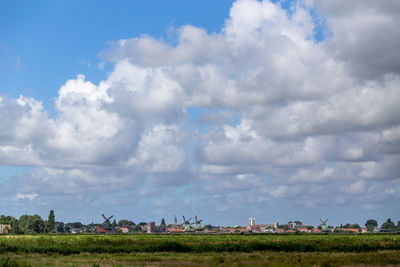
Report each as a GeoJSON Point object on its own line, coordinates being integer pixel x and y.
{"type": "Point", "coordinates": [21, 196]}
{"type": "Point", "coordinates": [355, 188]}
{"type": "Point", "coordinates": [365, 35]}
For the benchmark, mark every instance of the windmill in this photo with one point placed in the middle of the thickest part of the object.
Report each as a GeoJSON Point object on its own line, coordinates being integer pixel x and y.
{"type": "Point", "coordinates": [323, 225]}
{"type": "Point", "coordinates": [186, 223]}
{"type": "Point", "coordinates": [197, 222]}
{"type": "Point", "coordinates": [106, 224]}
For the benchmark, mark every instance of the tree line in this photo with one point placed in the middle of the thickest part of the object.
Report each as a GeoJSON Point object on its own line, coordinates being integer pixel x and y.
{"type": "Point", "coordinates": [34, 224]}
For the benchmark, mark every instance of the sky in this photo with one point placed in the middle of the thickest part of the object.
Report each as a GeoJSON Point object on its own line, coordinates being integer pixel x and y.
{"type": "Point", "coordinates": [277, 110]}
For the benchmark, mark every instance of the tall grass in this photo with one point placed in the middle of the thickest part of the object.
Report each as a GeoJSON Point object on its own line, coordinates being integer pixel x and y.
{"type": "Point", "coordinates": [69, 244]}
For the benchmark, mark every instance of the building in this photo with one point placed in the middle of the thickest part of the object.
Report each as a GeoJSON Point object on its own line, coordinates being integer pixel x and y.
{"type": "Point", "coordinates": [76, 230]}
{"type": "Point", "coordinates": [5, 228]}
{"type": "Point", "coordinates": [175, 230]}
{"type": "Point", "coordinates": [243, 230]}
{"type": "Point", "coordinates": [101, 230]}
{"type": "Point", "coordinates": [254, 228]}
{"type": "Point", "coordinates": [268, 227]}
{"type": "Point", "coordinates": [352, 230]}
{"type": "Point", "coordinates": [151, 227]}
{"type": "Point", "coordinates": [124, 229]}
{"type": "Point", "coordinates": [252, 221]}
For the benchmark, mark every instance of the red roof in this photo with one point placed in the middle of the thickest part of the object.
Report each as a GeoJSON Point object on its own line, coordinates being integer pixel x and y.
{"type": "Point", "coordinates": [352, 230]}
{"type": "Point", "coordinates": [176, 230]}
{"type": "Point", "coordinates": [100, 229]}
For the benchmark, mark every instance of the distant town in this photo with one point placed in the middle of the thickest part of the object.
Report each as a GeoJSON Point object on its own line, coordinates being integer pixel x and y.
{"type": "Point", "coordinates": [34, 224]}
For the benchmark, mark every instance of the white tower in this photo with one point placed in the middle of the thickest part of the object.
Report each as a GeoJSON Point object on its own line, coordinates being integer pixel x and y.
{"type": "Point", "coordinates": [252, 221]}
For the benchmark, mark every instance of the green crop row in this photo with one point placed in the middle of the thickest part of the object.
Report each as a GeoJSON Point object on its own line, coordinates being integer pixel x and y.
{"type": "Point", "coordinates": [68, 244]}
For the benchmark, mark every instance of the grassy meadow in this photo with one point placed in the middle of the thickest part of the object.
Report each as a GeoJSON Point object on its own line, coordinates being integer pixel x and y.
{"type": "Point", "coordinates": [202, 250]}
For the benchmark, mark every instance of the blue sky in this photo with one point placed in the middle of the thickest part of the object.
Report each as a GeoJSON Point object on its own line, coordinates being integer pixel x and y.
{"type": "Point", "coordinates": [36, 32]}
{"type": "Point", "coordinates": [282, 110]}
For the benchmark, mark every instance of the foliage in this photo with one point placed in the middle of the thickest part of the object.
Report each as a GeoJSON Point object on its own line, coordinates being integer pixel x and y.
{"type": "Point", "coordinates": [10, 262]}
{"type": "Point", "coordinates": [125, 222]}
{"type": "Point", "coordinates": [6, 219]}
{"type": "Point", "coordinates": [162, 222]}
{"type": "Point", "coordinates": [383, 258]}
{"type": "Point", "coordinates": [50, 224]}
{"type": "Point", "coordinates": [197, 243]}
{"type": "Point", "coordinates": [60, 227]}
{"type": "Point", "coordinates": [351, 226]}
{"type": "Point", "coordinates": [31, 224]}
{"type": "Point", "coordinates": [388, 224]}
{"type": "Point", "coordinates": [371, 224]}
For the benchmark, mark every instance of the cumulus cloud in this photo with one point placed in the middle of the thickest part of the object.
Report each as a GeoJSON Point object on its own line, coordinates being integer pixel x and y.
{"type": "Point", "coordinates": [21, 196]}
{"type": "Point", "coordinates": [365, 35]}
{"type": "Point", "coordinates": [293, 120]}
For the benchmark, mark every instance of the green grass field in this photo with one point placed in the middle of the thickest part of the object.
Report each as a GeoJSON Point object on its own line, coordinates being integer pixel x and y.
{"type": "Point", "coordinates": [202, 250]}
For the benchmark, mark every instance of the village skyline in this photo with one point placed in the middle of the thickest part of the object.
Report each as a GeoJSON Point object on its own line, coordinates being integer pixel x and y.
{"type": "Point", "coordinates": [277, 110]}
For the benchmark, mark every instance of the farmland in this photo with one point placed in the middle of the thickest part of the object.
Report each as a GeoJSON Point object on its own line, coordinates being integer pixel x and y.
{"type": "Point", "coordinates": [112, 250]}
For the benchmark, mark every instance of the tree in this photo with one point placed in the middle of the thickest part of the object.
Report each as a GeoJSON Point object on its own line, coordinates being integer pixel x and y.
{"type": "Point", "coordinates": [31, 224]}
{"type": "Point", "coordinates": [15, 227]}
{"type": "Point", "coordinates": [125, 222]}
{"type": "Point", "coordinates": [77, 225]}
{"type": "Point", "coordinates": [162, 222]}
{"type": "Point", "coordinates": [60, 227]}
{"type": "Point", "coordinates": [207, 226]}
{"type": "Point", "coordinates": [51, 224]}
{"type": "Point", "coordinates": [388, 224]}
{"type": "Point", "coordinates": [114, 223]}
{"type": "Point", "coordinates": [371, 224]}
{"type": "Point", "coordinates": [347, 226]}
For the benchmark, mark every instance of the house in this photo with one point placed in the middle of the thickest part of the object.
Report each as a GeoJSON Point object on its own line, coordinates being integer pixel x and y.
{"type": "Point", "coordinates": [355, 230]}
{"type": "Point", "coordinates": [151, 227]}
{"type": "Point", "coordinates": [76, 230]}
{"type": "Point", "coordinates": [175, 230]}
{"type": "Point", "coordinates": [255, 228]}
{"type": "Point", "coordinates": [5, 228]}
{"type": "Point", "coordinates": [161, 229]}
{"type": "Point", "coordinates": [316, 230]}
{"type": "Point", "coordinates": [298, 227]}
{"type": "Point", "coordinates": [101, 230]}
{"type": "Point", "coordinates": [124, 229]}
{"type": "Point", "coordinates": [267, 227]}
{"type": "Point", "coordinates": [243, 230]}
